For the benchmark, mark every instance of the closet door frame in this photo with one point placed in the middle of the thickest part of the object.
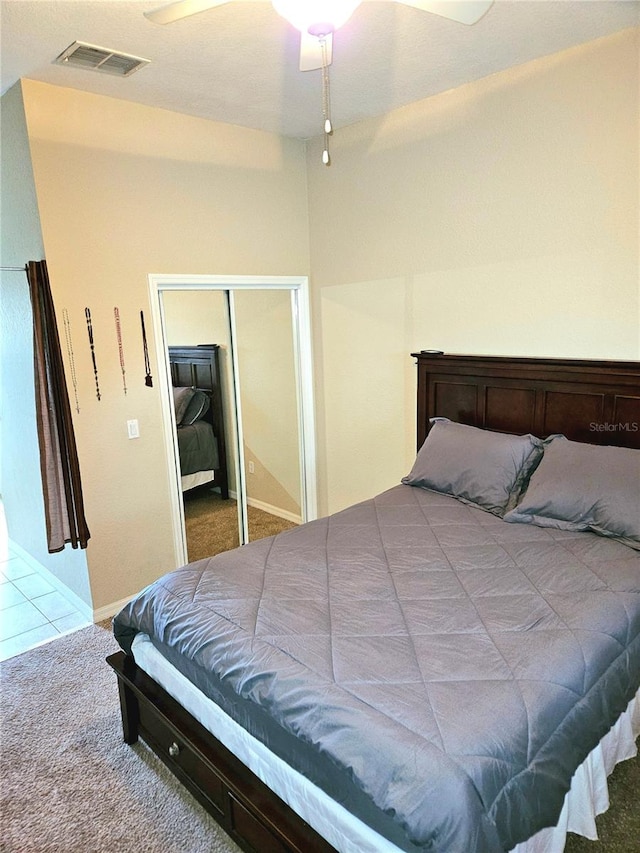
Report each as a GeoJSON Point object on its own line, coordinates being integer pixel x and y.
{"type": "Point", "coordinates": [298, 286]}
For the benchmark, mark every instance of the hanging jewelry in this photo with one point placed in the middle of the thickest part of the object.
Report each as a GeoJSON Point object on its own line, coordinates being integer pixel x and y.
{"type": "Point", "coordinates": [87, 314]}
{"type": "Point", "coordinates": [116, 315]}
{"type": "Point", "coordinates": [147, 364]}
{"type": "Point", "coordinates": [70, 357]}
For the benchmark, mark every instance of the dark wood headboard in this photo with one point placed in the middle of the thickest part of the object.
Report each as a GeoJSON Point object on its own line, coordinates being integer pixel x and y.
{"type": "Point", "coordinates": [199, 367]}
{"type": "Point", "coordinates": [597, 402]}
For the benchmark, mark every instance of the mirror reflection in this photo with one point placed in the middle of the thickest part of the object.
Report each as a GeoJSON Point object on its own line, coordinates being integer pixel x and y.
{"type": "Point", "coordinates": [269, 408]}
{"type": "Point", "coordinates": [264, 477]}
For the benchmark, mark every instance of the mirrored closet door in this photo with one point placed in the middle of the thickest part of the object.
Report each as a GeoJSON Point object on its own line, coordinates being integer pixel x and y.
{"type": "Point", "coordinates": [261, 334]}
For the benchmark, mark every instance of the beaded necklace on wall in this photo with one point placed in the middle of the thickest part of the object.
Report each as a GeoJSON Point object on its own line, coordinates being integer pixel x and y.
{"type": "Point", "coordinates": [147, 364]}
{"type": "Point", "coordinates": [70, 356]}
{"type": "Point", "coordinates": [116, 314]}
{"type": "Point", "coordinates": [87, 314]}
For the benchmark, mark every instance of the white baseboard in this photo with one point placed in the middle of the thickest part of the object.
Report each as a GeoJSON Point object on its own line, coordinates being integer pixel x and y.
{"type": "Point", "coordinates": [275, 510]}
{"type": "Point", "coordinates": [272, 510]}
{"type": "Point", "coordinates": [78, 603]}
{"type": "Point", "coordinates": [110, 610]}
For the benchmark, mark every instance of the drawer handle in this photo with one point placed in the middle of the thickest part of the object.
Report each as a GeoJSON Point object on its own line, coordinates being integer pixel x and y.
{"type": "Point", "coordinates": [174, 750]}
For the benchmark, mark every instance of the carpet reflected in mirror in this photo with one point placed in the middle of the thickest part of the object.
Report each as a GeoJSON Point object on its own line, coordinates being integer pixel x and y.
{"type": "Point", "coordinates": [212, 524]}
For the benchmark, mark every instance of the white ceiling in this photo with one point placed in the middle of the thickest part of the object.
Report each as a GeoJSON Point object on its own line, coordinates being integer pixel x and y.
{"type": "Point", "coordinates": [239, 63]}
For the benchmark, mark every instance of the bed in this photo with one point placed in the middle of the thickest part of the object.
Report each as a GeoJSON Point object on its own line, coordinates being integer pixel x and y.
{"type": "Point", "coordinates": [438, 668]}
{"type": "Point", "coordinates": [198, 410]}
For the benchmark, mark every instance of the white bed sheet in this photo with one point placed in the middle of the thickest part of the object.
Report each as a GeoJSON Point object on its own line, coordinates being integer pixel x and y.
{"type": "Point", "coordinates": [190, 481]}
{"type": "Point", "coordinates": [587, 798]}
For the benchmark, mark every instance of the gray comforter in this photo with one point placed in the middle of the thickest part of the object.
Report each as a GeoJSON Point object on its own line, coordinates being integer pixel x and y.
{"type": "Point", "coordinates": [438, 671]}
{"type": "Point", "coordinates": [197, 447]}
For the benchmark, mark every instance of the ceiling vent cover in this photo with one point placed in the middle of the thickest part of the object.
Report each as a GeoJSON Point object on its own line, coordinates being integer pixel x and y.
{"type": "Point", "coordinates": [94, 58]}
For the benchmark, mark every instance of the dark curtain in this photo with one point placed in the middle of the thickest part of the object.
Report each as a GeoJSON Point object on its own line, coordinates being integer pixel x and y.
{"type": "Point", "coordinates": [61, 487]}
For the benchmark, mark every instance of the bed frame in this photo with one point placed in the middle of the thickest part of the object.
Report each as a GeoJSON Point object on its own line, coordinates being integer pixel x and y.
{"type": "Point", "coordinates": [199, 367]}
{"type": "Point", "coordinates": [593, 401]}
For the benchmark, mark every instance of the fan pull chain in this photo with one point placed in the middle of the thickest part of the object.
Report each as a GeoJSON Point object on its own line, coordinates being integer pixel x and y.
{"type": "Point", "coordinates": [326, 102]}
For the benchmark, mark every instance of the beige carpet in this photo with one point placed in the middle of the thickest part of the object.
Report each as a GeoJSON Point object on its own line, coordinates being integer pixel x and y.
{"type": "Point", "coordinates": [69, 783]}
{"type": "Point", "coordinates": [212, 524]}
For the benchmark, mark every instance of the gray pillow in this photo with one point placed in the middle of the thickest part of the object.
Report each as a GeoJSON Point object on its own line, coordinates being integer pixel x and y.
{"type": "Point", "coordinates": [585, 487]}
{"type": "Point", "coordinates": [198, 406]}
{"type": "Point", "coordinates": [181, 399]}
{"type": "Point", "coordinates": [478, 467]}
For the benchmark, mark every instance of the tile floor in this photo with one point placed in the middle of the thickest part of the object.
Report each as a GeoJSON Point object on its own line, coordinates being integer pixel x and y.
{"type": "Point", "coordinates": [32, 611]}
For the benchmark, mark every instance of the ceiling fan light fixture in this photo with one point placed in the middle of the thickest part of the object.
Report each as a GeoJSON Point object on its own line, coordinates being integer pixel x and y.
{"type": "Point", "coordinates": [317, 17]}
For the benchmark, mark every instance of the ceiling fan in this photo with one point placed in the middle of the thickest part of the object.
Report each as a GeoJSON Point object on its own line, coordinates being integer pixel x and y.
{"type": "Point", "coordinates": [317, 20]}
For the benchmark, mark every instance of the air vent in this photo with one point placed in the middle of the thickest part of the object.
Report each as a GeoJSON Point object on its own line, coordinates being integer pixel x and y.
{"type": "Point", "coordinates": [95, 58]}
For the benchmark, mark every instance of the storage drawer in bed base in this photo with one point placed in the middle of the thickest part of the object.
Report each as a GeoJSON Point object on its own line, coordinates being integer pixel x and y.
{"type": "Point", "coordinates": [257, 820]}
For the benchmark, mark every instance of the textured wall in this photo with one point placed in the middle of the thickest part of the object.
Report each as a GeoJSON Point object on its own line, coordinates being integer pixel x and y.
{"type": "Point", "coordinates": [498, 218]}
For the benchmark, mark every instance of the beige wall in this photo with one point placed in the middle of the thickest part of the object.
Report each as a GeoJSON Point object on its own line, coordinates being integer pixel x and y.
{"type": "Point", "coordinates": [195, 317]}
{"type": "Point", "coordinates": [125, 191]}
{"type": "Point", "coordinates": [497, 218]}
{"type": "Point", "coordinates": [21, 241]}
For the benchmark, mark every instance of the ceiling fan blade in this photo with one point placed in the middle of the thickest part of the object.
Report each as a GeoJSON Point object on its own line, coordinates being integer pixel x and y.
{"type": "Point", "coordinates": [311, 51]}
{"type": "Point", "coordinates": [181, 9]}
{"type": "Point", "coordinates": [463, 11]}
